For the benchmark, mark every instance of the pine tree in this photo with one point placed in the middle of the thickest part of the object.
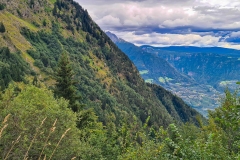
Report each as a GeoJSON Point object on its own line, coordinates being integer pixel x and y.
{"type": "Point", "coordinates": [65, 84]}
{"type": "Point", "coordinates": [35, 81]}
{"type": "Point", "coordinates": [2, 6]}
{"type": "Point", "coordinates": [31, 4]}
{"type": "Point", "coordinates": [44, 23]}
{"type": "Point", "coordinates": [2, 27]}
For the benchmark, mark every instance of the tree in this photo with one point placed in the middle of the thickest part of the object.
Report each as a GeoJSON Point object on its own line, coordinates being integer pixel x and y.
{"type": "Point", "coordinates": [2, 27]}
{"type": "Point", "coordinates": [35, 81]}
{"type": "Point", "coordinates": [227, 117]}
{"type": "Point", "coordinates": [2, 6]}
{"type": "Point", "coordinates": [65, 84]}
{"type": "Point", "coordinates": [44, 23]}
{"type": "Point", "coordinates": [31, 5]}
{"type": "Point", "coordinates": [41, 122]}
{"type": "Point", "coordinates": [55, 10]}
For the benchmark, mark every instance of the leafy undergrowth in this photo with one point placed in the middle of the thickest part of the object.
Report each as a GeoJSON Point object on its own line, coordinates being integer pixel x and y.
{"type": "Point", "coordinates": [35, 125]}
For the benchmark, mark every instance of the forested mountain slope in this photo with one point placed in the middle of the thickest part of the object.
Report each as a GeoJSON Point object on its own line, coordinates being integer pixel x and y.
{"type": "Point", "coordinates": [37, 32]}
{"type": "Point", "coordinates": [121, 117]}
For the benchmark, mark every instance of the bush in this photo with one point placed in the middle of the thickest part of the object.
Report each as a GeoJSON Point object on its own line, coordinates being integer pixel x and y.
{"type": "Point", "coordinates": [38, 63]}
{"type": "Point", "coordinates": [33, 54]}
{"type": "Point", "coordinates": [41, 123]}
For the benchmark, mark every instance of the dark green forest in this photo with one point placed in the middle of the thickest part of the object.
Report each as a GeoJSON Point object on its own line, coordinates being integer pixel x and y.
{"type": "Point", "coordinates": [74, 95]}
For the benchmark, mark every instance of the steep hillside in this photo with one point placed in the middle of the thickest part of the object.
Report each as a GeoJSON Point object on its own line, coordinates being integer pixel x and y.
{"type": "Point", "coordinates": [107, 80]}
{"type": "Point", "coordinates": [152, 68]}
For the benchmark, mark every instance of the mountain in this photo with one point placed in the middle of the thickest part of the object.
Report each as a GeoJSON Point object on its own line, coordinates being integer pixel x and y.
{"type": "Point", "coordinates": [192, 49]}
{"type": "Point", "coordinates": [213, 66]}
{"type": "Point", "coordinates": [163, 66]}
{"type": "Point", "coordinates": [37, 32]}
{"type": "Point", "coordinates": [109, 112]}
{"type": "Point", "coordinates": [150, 65]}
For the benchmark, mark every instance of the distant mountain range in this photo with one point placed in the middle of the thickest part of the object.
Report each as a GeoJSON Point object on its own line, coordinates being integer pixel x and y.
{"type": "Point", "coordinates": [192, 49]}
{"type": "Point", "coordinates": [198, 75]}
{"type": "Point", "coordinates": [209, 66]}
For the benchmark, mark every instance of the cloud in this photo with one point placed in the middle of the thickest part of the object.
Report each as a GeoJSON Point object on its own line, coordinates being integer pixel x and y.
{"type": "Point", "coordinates": [143, 2]}
{"type": "Point", "coordinates": [159, 39]}
{"type": "Point", "coordinates": [203, 20]}
{"type": "Point", "coordinates": [235, 34]}
{"type": "Point", "coordinates": [233, 37]}
{"type": "Point", "coordinates": [109, 20]}
{"type": "Point", "coordinates": [136, 15]}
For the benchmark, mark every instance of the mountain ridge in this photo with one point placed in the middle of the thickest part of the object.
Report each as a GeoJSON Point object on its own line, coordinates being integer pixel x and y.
{"type": "Point", "coordinates": [194, 49]}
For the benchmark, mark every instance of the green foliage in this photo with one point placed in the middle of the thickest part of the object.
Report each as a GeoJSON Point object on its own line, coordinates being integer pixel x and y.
{"type": "Point", "coordinates": [227, 117]}
{"type": "Point", "coordinates": [65, 84]}
{"type": "Point", "coordinates": [175, 106]}
{"type": "Point", "coordinates": [48, 47]}
{"type": "Point", "coordinates": [31, 4]}
{"type": "Point", "coordinates": [44, 23]}
{"type": "Point", "coordinates": [12, 67]}
{"type": "Point", "coordinates": [39, 119]}
{"type": "Point", "coordinates": [2, 6]}
{"type": "Point", "coordinates": [108, 81]}
{"type": "Point", "coordinates": [38, 63]}
{"type": "Point", "coordinates": [219, 139]}
{"type": "Point", "coordinates": [19, 13]}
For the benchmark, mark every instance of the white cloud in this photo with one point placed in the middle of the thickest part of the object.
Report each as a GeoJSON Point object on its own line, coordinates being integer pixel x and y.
{"type": "Point", "coordinates": [109, 20]}
{"type": "Point", "coordinates": [201, 21]}
{"type": "Point", "coordinates": [235, 34]}
{"type": "Point", "coordinates": [169, 39]}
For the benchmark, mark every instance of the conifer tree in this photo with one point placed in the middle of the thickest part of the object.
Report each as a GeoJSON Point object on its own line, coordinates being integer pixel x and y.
{"type": "Point", "coordinates": [55, 10]}
{"type": "Point", "coordinates": [2, 27]}
{"type": "Point", "coordinates": [2, 6]}
{"type": "Point", "coordinates": [65, 84]}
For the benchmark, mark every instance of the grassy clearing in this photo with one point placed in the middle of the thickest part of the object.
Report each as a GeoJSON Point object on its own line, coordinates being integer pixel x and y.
{"type": "Point", "coordinates": [102, 71]}
{"type": "Point", "coordinates": [21, 21]}
{"type": "Point", "coordinates": [52, 1]}
{"type": "Point", "coordinates": [12, 37]}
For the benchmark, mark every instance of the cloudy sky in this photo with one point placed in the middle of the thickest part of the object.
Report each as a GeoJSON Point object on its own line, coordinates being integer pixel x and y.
{"type": "Point", "coordinates": [169, 22]}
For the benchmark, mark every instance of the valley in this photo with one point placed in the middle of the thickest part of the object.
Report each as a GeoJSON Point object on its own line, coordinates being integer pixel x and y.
{"type": "Point", "coordinates": [198, 75]}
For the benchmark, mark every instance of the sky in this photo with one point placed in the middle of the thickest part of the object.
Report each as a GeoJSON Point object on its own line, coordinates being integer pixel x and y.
{"type": "Point", "coordinates": [202, 23]}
